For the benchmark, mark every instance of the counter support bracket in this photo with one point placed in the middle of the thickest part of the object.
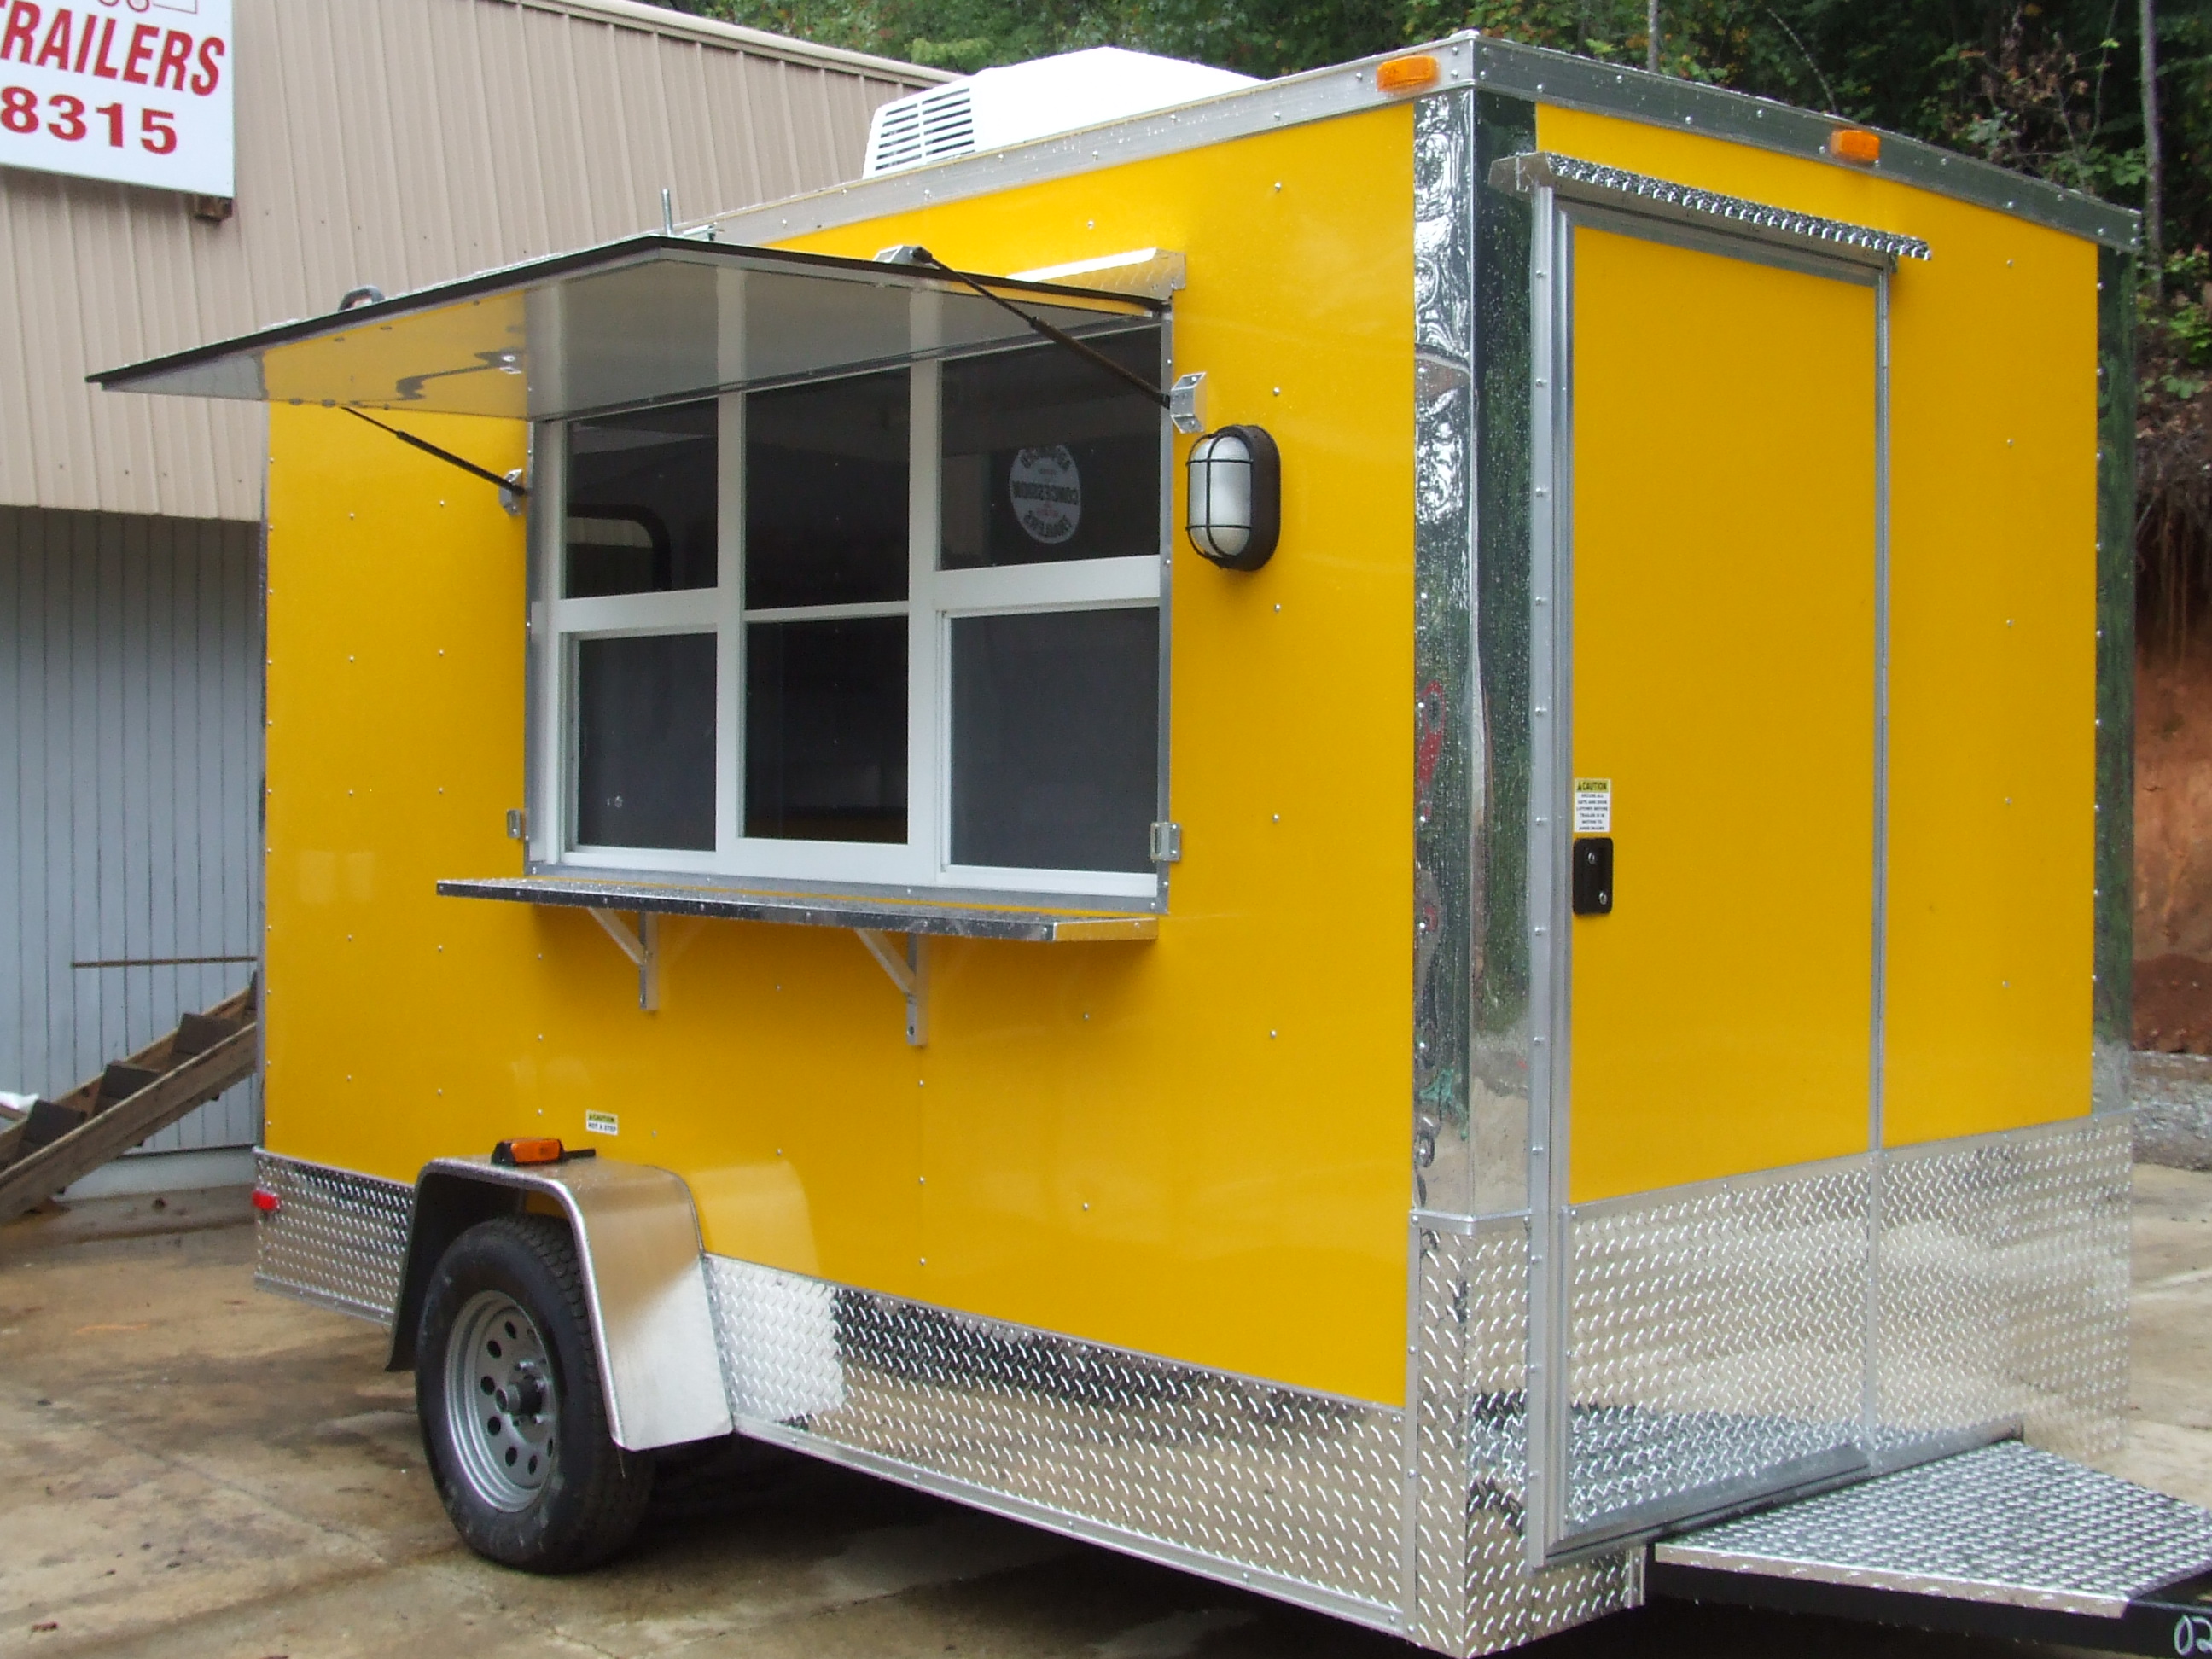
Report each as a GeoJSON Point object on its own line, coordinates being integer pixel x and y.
{"type": "Point", "coordinates": [908, 972]}
{"type": "Point", "coordinates": [642, 947]}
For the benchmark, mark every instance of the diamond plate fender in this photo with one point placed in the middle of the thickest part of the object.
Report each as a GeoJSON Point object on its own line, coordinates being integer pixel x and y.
{"type": "Point", "coordinates": [637, 1239]}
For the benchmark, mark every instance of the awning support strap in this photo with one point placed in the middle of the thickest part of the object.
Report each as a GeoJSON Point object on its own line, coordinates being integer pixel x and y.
{"type": "Point", "coordinates": [514, 486]}
{"type": "Point", "coordinates": [912, 255]}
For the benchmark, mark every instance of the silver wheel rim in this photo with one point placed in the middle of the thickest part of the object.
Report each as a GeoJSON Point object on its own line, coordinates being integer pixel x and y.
{"type": "Point", "coordinates": [502, 1412]}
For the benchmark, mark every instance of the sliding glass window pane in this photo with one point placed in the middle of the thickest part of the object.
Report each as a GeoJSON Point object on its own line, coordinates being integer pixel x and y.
{"type": "Point", "coordinates": [1049, 457]}
{"type": "Point", "coordinates": [641, 508]}
{"type": "Point", "coordinates": [645, 741]}
{"type": "Point", "coordinates": [1056, 739]}
{"type": "Point", "coordinates": [825, 730]}
{"type": "Point", "coordinates": [826, 493]}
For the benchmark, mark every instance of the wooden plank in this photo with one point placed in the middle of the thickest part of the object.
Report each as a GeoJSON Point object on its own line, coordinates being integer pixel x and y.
{"type": "Point", "coordinates": [155, 1056]}
{"type": "Point", "coordinates": [127, 1122]}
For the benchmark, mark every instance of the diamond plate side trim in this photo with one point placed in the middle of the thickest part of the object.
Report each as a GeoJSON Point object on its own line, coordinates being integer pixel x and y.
{"type": "Point", "coordinates": [335, 1237]}
{"type": "Point", "coordinates": [1478, 1594]}
{"type": "Point", "coordinates": [1717, 1333]}
{"type": "Point", "coordinates": [2003, 1289]}
{"type": "Point", "coordinates": [1291, 1491]}
{"type": "Point", "coordinates": [1447, 738]}
{"type": "Point", "coordinates": [1449, 1287]}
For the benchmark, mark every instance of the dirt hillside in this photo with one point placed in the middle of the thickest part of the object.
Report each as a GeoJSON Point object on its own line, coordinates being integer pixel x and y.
{"type": "Point", "coordinates": [2173, 853]}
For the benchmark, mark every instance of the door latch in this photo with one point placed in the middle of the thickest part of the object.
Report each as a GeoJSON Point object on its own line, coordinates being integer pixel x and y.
{"type": "Point", "coordinates": [1593, 884]}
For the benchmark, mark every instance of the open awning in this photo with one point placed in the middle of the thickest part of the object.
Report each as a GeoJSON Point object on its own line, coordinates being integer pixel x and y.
{"type": "Point", "coordinates": [642, 320]}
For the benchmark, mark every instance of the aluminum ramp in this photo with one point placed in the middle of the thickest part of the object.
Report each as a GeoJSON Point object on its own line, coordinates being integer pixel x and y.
{"type": "Point", "coordinates": [2003, 1541]}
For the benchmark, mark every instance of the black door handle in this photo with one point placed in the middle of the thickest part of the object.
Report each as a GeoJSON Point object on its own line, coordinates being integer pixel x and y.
{"type": "Point", "coordinates": [1593, 883]}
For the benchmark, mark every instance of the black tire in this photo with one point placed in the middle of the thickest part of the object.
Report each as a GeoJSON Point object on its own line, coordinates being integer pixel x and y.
{"type": "Point", "coordinates": [548, 1490]}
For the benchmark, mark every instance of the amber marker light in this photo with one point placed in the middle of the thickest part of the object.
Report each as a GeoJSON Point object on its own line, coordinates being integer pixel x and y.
{"type": "Point", "coordinates": [540, 1150]}
{"type": "Point", "coordinates": [1406, 74]}
{"type": "Point", "coordinates": [1855, 144]}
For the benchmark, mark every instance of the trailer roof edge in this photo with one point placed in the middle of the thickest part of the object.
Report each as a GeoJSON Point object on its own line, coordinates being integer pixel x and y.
{"type": "Point", "coordinates": [1463, 61]}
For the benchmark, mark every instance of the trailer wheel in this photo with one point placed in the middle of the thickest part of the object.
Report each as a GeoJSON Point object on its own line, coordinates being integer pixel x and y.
{"type": "Point", "coordinates": [507, 1382]}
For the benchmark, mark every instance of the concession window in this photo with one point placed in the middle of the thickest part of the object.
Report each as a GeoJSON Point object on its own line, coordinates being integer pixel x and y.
{"type": "Point", "coordinates": [644, 320]}
{"type": "Point", "coordinates": [743, 614]}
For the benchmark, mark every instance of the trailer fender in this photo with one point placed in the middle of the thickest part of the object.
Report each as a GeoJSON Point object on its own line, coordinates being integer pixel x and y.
{"type": "Point", "coordinates": [644, 1282]}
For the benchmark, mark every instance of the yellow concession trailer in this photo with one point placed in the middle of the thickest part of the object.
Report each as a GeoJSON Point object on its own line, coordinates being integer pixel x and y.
{"type": "Point", "coordinates": [1372, 836]}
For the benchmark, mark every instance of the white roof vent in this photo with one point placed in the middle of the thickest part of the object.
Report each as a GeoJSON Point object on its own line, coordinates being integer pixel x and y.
{"type": "Point", "coordinates": [1022, 102]}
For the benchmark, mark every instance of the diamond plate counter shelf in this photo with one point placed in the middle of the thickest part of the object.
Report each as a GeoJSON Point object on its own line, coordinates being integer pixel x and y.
{"type": "Point", "coordinates": [1042, 926]}
{"type": "Point", "coordinates": [872, 917]}
{"type": "Point", "coordinates": [2004, 1541]}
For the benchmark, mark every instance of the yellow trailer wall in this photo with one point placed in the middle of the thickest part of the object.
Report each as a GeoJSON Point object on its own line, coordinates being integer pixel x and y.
{"type": "Point", "coordinates": [1992, 634]}
{"type": "Point", "coordinates": [1196, 1147]}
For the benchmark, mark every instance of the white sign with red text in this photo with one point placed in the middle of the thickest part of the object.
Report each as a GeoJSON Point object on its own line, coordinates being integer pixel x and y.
{"type": "Point", "coordinates": [134, 91]}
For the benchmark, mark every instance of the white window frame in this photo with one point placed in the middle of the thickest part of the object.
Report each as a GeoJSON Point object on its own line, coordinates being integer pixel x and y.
{"type": "Point", "coordinates": [935, 598]}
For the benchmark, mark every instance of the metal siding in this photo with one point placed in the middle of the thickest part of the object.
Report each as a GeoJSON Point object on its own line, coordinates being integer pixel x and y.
{"type": "Point", "coordinates": [130, 740]}
{"type": "Point", "coordinates": [399, 142]}
{"type": "Point", "coordinates": [394, 142]}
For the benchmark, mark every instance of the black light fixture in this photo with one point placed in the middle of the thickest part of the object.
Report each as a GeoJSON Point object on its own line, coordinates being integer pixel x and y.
{"type": "Point", "coordinates": [1236, 498]}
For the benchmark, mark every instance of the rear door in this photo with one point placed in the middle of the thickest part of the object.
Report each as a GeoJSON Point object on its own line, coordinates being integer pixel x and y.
{"type": "Point", "coordinates": [1718, 577]}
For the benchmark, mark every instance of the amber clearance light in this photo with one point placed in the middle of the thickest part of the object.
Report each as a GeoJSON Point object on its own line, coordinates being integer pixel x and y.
{"type": "Point", "coordinates": [535, 1150]}
{"type": "Point", "coordinates": [1855, 144]}
{"type": "Point", "coordinates": [1408, 74]}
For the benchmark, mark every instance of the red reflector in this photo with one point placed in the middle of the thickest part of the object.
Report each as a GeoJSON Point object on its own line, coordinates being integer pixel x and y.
{"type": "Point", "coordinates": [264, 1200]}
{"type": "Point", "coordinates": [543, 1149]}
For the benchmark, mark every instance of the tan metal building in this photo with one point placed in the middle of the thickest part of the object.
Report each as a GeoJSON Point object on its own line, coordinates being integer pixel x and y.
{"type": "Point", "coordinates": [383, 143]}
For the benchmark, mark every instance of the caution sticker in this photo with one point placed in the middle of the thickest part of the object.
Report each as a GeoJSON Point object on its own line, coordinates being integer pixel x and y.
{"type": "Point", "coordinates": [1593, 806]}
{"type": "Point", "coordinates": [602, 1123]}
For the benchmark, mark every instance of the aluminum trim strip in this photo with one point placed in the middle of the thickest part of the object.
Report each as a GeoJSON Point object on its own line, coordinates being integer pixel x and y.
{"type": "Point", "coordinates": [2112, 892]}
{"type": "Point", "coordinates": [1571, 82]}
{"type": "Point", "coordinates": [1497, 1044]}
{"type": "Point", "coordinates": [1878, 990]}
{"type": "Point", "coordinates": [1504, 67]}
{"type": "Point", "coordinates": [2026, 1134]}
{"type": "Point", "coordinates": [1551, 633]}
{"type": "Point", "coordinates": [1591, 181]}
{"type": "Point", "coordinates": [1689, 1192]}
{"type": "Point", "coordinates": [1445, 739]}
{"type": "Point", "coordinates": [1447, 770]}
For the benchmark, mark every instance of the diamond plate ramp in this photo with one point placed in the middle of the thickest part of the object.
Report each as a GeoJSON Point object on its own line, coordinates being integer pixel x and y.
{"type": "Point", "coordinates": [2004, 1539]}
